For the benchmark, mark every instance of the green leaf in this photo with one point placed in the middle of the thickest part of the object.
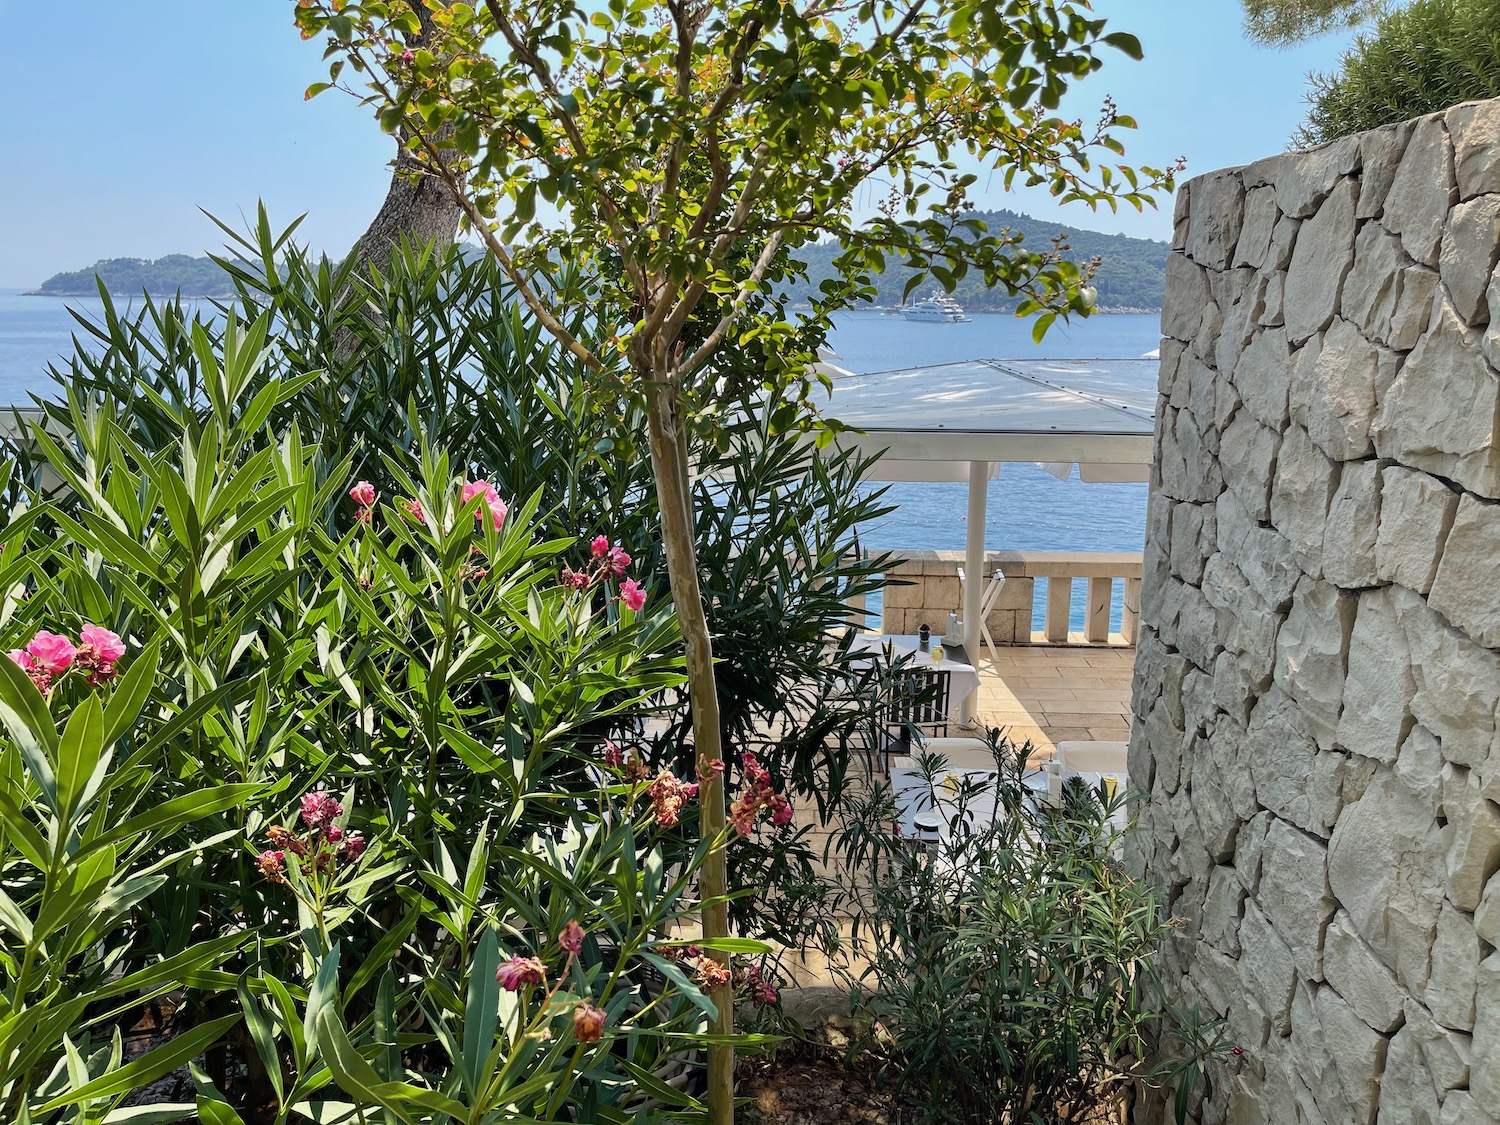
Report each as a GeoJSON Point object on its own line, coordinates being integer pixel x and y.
{"type": "Point", "coordinates": [150, 1066]}
{"type": "Point", "coordinates": [173, 814]}
{"type": "Point", "coordinates": [1126, 43]}
{"type": "Point", "coordinates": [482, 1011]}
{"type": "Point", "coordinates": [130, 693]}
{"type": "Point", "coordinates": [78, 753]}
{"type": "Point", "coordinates": [324, 991]}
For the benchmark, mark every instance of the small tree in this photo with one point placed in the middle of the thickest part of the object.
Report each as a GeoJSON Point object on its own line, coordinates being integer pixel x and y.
{"type": "Point", "coordinates": [680, 152]}
{"type": "Point", "coordinates": [1281, 23]}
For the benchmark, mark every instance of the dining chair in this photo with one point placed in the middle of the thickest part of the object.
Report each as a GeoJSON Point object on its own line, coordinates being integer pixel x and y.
{"type": "Point", "coordinates": [986, 603]}
{"type": "Point", "coordinates": [917, 703]}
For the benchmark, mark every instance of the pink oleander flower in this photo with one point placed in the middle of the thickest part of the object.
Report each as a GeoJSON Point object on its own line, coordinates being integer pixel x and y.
{"type": "Point", "coordinates": [711, 974]}
{"type": "Point", "coordinates": [320, 809]}
{"type": "Point", "coordinates": [363, 494]}
{"type": "Point", "coordinates": [413, 508]}
{"type": "Point", "coordinates": [715, 769]}
{"type": "Point", "coordinates": [22, 658]}
{"type": "Point", "coordinates": [353, 847]}
{"type": "Point", "coordinates": [588, 1023]}
{"type": "Point", "coordinates": [407, 56]}
{"type": "Point", "coordinates": [575, 579]}
{"type": "Point", "coordinates": [52, 653]}
{"type": "Point", "coordinates": [619, 562]}
{"type": "Point", "coordinates": [571, 936]}
{"type": "Point", "coordinates": [100, 644]}
{"type": "Point", "coordinates": [633, 595]}
{"type": "Point", "coordinates": [600, 546]}
{"type": "Point", "coordinates": [333, 833]}
{"type": "Point", "coordinates": [764, 994]}
{"type": "Point", "coordinates": [614, 757]}
{"type": "Point", "coordinates": [272, 865]}
{"type": "Point", "coordinates": [668, 794]}
{"type": "Point", "coordinates": [519, 971]}
{"type": "Point", "coordinates": [492, 503]}
{"type": "Point", "coordinates": [758, 794]}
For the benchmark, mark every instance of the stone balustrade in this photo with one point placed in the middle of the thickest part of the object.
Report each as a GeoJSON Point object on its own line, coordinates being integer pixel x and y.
{"type": "Point", "coordinates": [929, 590]}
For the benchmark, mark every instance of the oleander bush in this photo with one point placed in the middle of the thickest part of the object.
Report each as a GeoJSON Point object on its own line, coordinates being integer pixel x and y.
{"type": "Point", "coordinates": [390, 711]}
{"type": "Point", "coordinates": [1419, 58]}
{"type": "Point", "coordinates": [1007, 959]}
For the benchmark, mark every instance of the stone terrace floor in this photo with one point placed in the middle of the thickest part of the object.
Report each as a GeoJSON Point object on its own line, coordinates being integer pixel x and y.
{"type": "Point", "coordinates": [1057, 693]}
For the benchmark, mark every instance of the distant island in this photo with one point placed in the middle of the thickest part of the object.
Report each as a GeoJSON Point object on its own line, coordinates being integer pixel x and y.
{"type": "Point", "coordinates": [129, 277]}
{"type": "Point", "coordinates": [1131, 277]}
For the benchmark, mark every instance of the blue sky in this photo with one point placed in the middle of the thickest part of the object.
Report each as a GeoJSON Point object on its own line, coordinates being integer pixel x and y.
{"type": "Point", "coordinates": [126, 118]}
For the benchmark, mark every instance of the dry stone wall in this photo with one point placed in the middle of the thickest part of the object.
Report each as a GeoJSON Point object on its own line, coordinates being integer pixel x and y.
{"type": "Point", "coordinates": [1319, 662]}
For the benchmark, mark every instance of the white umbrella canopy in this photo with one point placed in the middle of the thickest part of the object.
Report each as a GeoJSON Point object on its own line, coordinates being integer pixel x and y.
{"type": "Point", "coordinates": [961, 421]}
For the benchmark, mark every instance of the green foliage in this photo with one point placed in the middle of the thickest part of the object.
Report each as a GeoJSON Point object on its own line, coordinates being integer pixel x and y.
{"type": "Point", "coordinates": [1010, 958]}
{"type": "Point", "coordinates": [1130, 274]}
{"type": "Point", "coordinates": [175, 273]}
{"type": "Point", "coordinates": [1419, 59]}
{"type": "Point", "coordinates": [1283, 22]}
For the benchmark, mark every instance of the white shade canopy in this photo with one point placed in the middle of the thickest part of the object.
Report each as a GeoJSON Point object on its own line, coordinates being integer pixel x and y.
{"type": "Point", "coordinates": [961, 421]}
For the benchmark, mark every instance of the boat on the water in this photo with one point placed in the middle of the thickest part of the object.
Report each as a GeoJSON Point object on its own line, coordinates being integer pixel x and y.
{"type": "Point", "coordinates": [937, 309]}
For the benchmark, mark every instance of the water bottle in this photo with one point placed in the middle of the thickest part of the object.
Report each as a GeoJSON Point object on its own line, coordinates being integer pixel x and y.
{"type": "Point", "coordinates": [955, 634]}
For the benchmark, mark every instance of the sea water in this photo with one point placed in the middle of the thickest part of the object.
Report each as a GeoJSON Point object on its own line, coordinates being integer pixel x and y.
{"type": "Point", "coordinates": [1028, 509]}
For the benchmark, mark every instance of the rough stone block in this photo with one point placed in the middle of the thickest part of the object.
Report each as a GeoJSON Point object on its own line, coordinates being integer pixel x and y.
{"type": "Point", "coordinates": [1247, 451]}
{"type": "Point", "coordinates": [1358, 1054]}
{"type": "Point", "coordinates": [1440, 413]}
{"type": "Point", "coordinates": [1305, 179]}
{"type": "Point", "coordinates": [1295, 898]}
{"type": "Point", "coordinates": [1218, 211]}
{"type": "Point", "coordinates": [1320, 262]}
{"type": "Point", "coordinates": [1222, 907]}
{"type": "Point", "coordinates": [1460, 1108]}
{"type": "Point", "coordinates": [1380, 684]}
{"type": "Point", "coordinates": [1373, 288]}
{"type": "Point", "coordinates": [1455, 968]}
{"type": "Point", "coordinates": [1423, 190]}
{"type": "Point", "coordinates": [1473, 128]}
{"type": "Point", "coordinates": [1458, 682]}
{"type": "Point", "coordinates": [1419, 767]}
{"type": "Point", "coordinates": [1300, 495]}
{"type": "Point", "coordinates": [1338, 406]}
{"type": "Point", "coordinates": [1413, 308]}
{"type": "Point", "coordinates": [1261, 215]}
{"type": "Point", "coordinates": [1484, 1081]}
{"type": "Point", "coordinates": [1262, 375]}
{"type": "Point", "coordinates": [1473, 837]}
{"type": "Point", "coordinates": [1310, 654]}
{"type": "Point", "coordinates": [1385, 866]}
{"type": "Point", "coordinates": [1447, 1053]}
{"type": "Point", "coordinates": [1353, 521]}
{"type": "Point", "coordinates": [1266, 968]}
{"type": "Point", "coordinates": [1292, 777]}
{"type": "Point", "coordinates": [1380, 155]}
{"type": "Point", "coordinates": [1360, 977]}
{"type": "Point", "coordinates": [1187, 294]}
{"type": "Point", "coordinates": [1471, 243]}
{"type": "Point", "coordinates": [1408, 1094]}
{"type": "Point", "coordinates": [1468, 576]}
{"type": "Point", "coordinates": [1416, 512]}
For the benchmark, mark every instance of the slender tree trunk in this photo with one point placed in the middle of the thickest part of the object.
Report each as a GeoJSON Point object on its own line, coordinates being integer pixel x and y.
{"type": "Point", "coordinates": [670, 468]}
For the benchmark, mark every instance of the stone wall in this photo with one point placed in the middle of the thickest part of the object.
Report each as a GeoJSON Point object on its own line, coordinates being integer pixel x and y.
{"type": "Point", "coordinates": [1319, 662]}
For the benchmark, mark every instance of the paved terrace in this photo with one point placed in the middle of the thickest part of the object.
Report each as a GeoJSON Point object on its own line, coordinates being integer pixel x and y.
{"type": "Point", "coordinates": [1057, 693]}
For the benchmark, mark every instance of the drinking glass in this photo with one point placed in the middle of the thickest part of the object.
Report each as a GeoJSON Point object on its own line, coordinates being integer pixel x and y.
{"type": "Point", "coordinates": [937, 652]}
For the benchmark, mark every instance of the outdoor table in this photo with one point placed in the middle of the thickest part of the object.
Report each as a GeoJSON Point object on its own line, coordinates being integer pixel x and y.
{"type": "Point", "coordinates": [963, 677]}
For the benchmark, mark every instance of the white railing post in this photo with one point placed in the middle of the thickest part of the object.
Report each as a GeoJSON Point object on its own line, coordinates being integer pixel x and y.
{"type": "Point", "coordinates": [1059, 609]}
{"type": "Point", "coordinates": [1096, 616]}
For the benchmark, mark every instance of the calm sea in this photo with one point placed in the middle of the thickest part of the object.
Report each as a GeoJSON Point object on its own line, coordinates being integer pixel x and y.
{"type": "Point", "coordinates": [1028, 508]}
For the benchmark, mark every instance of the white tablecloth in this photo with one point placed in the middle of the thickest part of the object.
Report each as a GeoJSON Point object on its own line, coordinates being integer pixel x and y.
{"type": "Point", "coordinates": [963, 679]}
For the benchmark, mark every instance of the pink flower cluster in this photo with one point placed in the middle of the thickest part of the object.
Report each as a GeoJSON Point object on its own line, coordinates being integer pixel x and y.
{"type": "Point", "coordinates": [668, 794]}
{"type": "Point", "coordinates": [364, 496]}
{"type": "Point", "coordinates": [325, 847]}
{"type": "Point", "coordinates": [520, 971]}
{"type": "Point", "coordinates": [495, 506]}
{"type": "Point", "coordinates": [606, 561]}
{"type": "Point", "coordinates": [708, 972]}
{"type": "Point", "coordinates": [762, 992]}
{"type": "Point", "coordinates": [49, 656]}
{"type": "Point", "coordinates": [758, 794]}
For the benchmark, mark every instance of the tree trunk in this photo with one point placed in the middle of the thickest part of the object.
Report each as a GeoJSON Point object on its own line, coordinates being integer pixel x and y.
{"type": "Point", "coordinates": [670, 468]}
{"type": "Point", "coordinates": [421, 208]}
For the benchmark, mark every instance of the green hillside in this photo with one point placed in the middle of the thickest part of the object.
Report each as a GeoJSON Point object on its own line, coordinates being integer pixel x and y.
{"type": "Point", "coordinates": [193, 277]}
{"type": "Point", "coordinates": [1132, 271]}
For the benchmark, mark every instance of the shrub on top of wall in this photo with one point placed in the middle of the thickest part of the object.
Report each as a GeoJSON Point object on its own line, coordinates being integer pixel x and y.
{"type": "Point", "coordinates": [1419, 59]}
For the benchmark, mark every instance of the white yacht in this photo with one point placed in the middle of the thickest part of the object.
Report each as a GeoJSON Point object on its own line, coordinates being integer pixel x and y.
{"type": "Point", "coordinates": [937, 309]}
